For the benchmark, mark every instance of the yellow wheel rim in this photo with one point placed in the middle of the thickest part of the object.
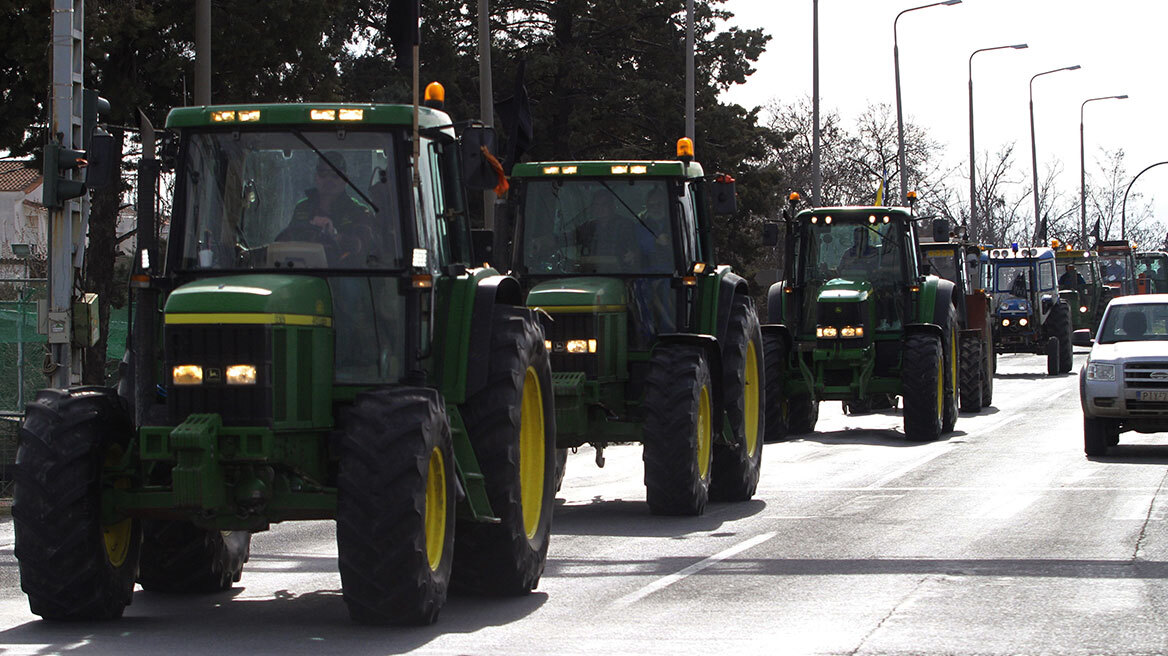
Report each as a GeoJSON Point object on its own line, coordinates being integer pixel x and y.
{"type": "Point", "coordinates": [704, 433]}
{"type": "Point", "coordinates": [531, 452]}
{"type": "Point", "coordinates": [117, 541]}
{"type": "Point", "coordinates": [435, 508]}
{"type": "Point", "coordinates": [750, 404]}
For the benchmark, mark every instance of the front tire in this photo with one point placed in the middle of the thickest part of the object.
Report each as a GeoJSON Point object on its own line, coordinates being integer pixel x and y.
{"type": "Point", "coordinates": [180, 557]}
{"type": "Point", "coordinates": [1062, 328]}
{"type": "Point", "coordinates": [73, 566]}
{"type": "Point", "coordinates": [1097, 435]}
{"type": "Point", "coordinates": [678, 430]}
{"type": "Point", "coordinates": [511, 423]}
{"type": "Point", "coordinates": [952, 360]}
{"type": "Point", "coordinates": [737, 465]}
{"type": "Point", "coordinates": [395, 506]}
{"type": "Point", "coordinates": [922, 381]}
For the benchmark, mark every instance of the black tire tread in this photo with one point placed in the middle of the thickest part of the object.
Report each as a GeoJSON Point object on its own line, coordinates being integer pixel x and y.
{"type": "Point", "coordinates": [736, 471]}
{"type": "Point", "coordinates": [673, 484]}
{"type": "Point", "coordinates": [922, 354]}
{"type": "Point", "coordinates": [972, 369]}
{"type": "Point", "coordinates": [180, 557]}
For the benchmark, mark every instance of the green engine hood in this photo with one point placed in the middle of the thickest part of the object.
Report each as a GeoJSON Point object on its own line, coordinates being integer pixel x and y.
{"type": "Point", "coordinates": [269, 298]}
{"type": "Point", "coordinates": [842, 290]}
{"type": "Point", "coordinates": [579, 293]}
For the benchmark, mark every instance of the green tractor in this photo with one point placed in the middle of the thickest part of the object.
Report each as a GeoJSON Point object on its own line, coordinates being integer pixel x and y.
{"type": "Point", "coordinates": [1083, 288]}
{"type": "Point", "coordinates": [959, 261]}
{"type": "Point", "coordinates": [650, 341]}
{"type": "Point", "coordinates": [302, 355]}
{"type": "Point", "coordinates": [857, 319]}
{"type": "Point", "coordinates": [1151, 272]}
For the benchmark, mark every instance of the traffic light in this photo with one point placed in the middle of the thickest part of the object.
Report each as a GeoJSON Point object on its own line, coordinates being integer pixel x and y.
{"type": "Point", "coordinates": [58, 189]}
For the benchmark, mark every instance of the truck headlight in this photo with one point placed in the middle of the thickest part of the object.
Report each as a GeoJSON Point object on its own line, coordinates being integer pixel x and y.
{"type": "Point", "coordinates": [241, 374]}
{"type": "Point", "coordinates": [1104, 371]}
{"type": "Point", "coordinates": [187, 374]}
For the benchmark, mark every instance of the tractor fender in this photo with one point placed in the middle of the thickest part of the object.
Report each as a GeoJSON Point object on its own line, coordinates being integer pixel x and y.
{"type": "Point", "coordinates": [774, 307]}
{"type": "Point", "coordinates": [729, 285]}
{"type": "Point", "coordinates": [491, 291]}
{"type": "Point", "coordinates": [713, 351]}
{"type": "Point", "coordinates": [943, 300]}
{"type": "Point", "coordinates": [927, 328]}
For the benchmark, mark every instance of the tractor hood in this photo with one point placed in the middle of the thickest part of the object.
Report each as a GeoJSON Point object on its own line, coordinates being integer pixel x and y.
{"type": "Point", "coordinates": [1012, 306]}
{"type": "Point", "coordinates": [843, 290]}
{"type": "Point", "coordinates": [579, 293]}
{"type": "Point", "coordinates": [280, 296]}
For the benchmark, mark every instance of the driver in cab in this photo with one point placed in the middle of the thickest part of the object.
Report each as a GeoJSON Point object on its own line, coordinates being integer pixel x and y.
{"type": "Point", "coordinates": [861, 256]}
{"type": "Point", "coordinates": [327, 213]}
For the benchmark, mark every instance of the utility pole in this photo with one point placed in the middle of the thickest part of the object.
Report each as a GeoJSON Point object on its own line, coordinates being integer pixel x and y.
{"type": "Point", "coordinates": [486, 98]}
{"type": "Point", "coordinates": [203, 52]}
{"type": "Point", "coordinates": [689, 69]}
{"type": "Point", "coordinates": [816, 172]}
{"type": "Point", "coordinates": [67, 222]}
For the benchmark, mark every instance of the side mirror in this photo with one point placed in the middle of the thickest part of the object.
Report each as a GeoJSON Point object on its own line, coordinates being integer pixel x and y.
{"type": "Point", "coordinates": [1082, 337]}
{"type": "Point", "coordinates": [477, 173]}
{"type": "Point", "coordinates": [482, 244]}
{"type": "Point", "coordinates": [104, 162]}
{"type": "Point", "coordinates": [926, 268]}
{"type": "Point", "coordinates": [724, 199]}
{"type": "Point", "coordinates": [770, 234]}
{"type": "Point", "coordinates": [940, 230]}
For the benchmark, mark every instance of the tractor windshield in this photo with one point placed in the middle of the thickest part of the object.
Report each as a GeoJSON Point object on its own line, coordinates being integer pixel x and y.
{"type": "Point", "coordinates": [605, 226]}
{"type": "Point", "coordinates": [943, 262]}
{"type": "Point", "coordinates": [1015, 279]}
{"type": "Point", "coordinates": [290, 199]}
{"type": "Point", "coordinates": [857, 247]}
{"type": "Point", "coordinates": [1114, 268]}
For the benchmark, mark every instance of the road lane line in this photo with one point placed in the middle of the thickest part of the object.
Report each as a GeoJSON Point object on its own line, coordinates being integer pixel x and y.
{"type": "Point", "coordinates": [667, 581]}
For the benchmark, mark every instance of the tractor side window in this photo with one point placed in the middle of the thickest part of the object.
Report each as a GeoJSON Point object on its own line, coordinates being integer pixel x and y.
{"type": "Point", "coordinates": [430, 236]}
{"type": "Point", "coordinates": [1046, 276]}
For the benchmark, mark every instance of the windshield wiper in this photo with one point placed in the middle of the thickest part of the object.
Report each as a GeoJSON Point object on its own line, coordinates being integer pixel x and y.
{"type": "Point", "coordinates": [626, 205]}
{"type": "Point", "coordinates": [296, 133]}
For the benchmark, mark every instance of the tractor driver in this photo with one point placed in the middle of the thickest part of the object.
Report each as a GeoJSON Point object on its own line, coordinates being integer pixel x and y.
{"type": "Point", "coordinates": [861, 255]}
{"type": "Point", "coordinates": [328, 214]}
{"type": "Point", "coordinates": [1071, 279]}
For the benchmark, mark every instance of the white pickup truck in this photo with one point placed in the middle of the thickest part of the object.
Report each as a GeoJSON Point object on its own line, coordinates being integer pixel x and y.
{"type": "Point", "coordinates": [1124, 385]}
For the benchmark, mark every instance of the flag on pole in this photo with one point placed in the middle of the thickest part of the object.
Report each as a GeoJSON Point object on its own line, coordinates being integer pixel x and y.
{"type": "Point", "coordinates": [880, 190]}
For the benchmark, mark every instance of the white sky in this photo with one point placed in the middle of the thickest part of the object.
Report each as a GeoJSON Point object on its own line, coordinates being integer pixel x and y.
{"type": "Point", "coordinates": [1122, 46]}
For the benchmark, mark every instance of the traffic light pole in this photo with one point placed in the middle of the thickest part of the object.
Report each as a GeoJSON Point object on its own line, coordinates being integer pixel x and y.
{"type": "Point", "coordinates": [67, 222]}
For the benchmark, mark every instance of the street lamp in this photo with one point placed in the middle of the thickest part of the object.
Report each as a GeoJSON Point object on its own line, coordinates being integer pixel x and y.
{"type": "Point", "coordinates": [1033, 147]}
{"type": "Point", "coordinates": [1123, 207]}
{"type": "Point", "coordinates": [972, 157]}
{"type": "Point", "coordinates": [899, 110]}
{"type": "Point", "coordinates": [1083, 168]}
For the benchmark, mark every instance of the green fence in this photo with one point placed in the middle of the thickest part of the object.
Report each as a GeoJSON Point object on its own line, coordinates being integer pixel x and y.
{"type": "Point", "coordinates": [22, 359]}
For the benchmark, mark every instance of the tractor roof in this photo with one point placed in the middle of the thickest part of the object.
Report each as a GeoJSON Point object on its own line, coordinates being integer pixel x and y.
{"type": "Point", "coordinates": [307, 115]}
{"type": "Point", "coordinates": [852, 211]}
{"type": "Point", "coordinates": [1002, 255]}
{"type": "Point", "coordinates": [617, 168]}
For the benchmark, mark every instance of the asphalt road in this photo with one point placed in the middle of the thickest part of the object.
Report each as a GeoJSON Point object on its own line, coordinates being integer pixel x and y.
{"type": "Point", "coordinates": [1001, 538]}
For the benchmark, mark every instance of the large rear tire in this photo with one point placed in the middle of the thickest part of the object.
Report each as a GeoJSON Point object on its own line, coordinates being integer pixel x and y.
{"type": "Point", "coordinates": [922, 381]}
{"type": "Point", "coordinates": [776, 350]}
{"type": "Point", "coordinates": [395, 506]}
{"type": "Point", "coordinates": [1064, 330]}
{"type": "Point", "coordinates": [952, 346]}
{"type": "Point", "coordinates": [987, 380]}
{"type": "Point", "coordinates": [1052, 356]}
{"type": "Point", "coordinates": [972, 370]}
{"type": "Point", "coordinates": [511, 423]}
{"type": "Point", "coordinates": [737, 465]}
{"type": "Point", "coordinates": [180, 557]}
{"type": "Point", "coordinates": [73, 566]}
{"type": "Point", "coordinates": [679, 403]}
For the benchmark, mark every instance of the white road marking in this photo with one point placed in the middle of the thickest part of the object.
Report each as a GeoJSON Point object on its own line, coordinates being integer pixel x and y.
{"type": "Point", "coordinates": [667, 581]}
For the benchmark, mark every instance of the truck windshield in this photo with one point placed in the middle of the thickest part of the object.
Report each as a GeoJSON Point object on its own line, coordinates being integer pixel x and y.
{"type": "Point", "coordinates": [289, 199]}
{"type": "Point", "coordinates": [852, 247]}
{"type": "Point", "coordinates": [1134, 322]}
{"type": "Point", "coordinates": [599, 226]}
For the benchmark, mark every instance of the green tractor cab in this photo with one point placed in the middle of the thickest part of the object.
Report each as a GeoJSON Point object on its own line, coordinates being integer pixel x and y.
{"type": "Point", "coordinates": [650, 340]}
{"type": "Point", "coordinates": [1031, 313]}
{"type": "Point", "coordinates": [856, 319]}
{"type": "Point", "coordinates": [1080, 281]}
{"type": "Point", "coordinates": [1151, 272]}
{"type": "Point", "coordinates": [1117, 263]}
{"type": "Point", "coordinates": [313, 345]}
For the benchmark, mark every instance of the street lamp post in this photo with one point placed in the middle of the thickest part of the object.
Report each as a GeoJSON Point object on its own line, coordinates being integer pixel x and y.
{"type": "Point", "coordinates": [816, 172]}
{"type": "Point", "coordinates": [1033, 146]}
{"type": "Point", "coordinates": [1123, 207]}
{"type": "Point", "coordinates": [1083, 169]}
{"type": "Point", "coordinates": [899, 109]}
{"type": "Point", "coordinates": [972, 157]}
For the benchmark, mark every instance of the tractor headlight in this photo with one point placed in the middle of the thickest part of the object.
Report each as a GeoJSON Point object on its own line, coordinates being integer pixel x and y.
{"type": "Point", "coordinates": [547, 344]}
{"type": "Point", "coordinates": [187, 374]}
{"type": "Point", "coordinates": [1082, 308]}
{"type": "Point", "coordinates": [241, 374]}
{"type": "Point", "coordinates": [580, 346]}
{"type": "Point", "coordinates": [851, 331]}
{"type": "Point", "coordinates": [827, 332]}
{"type": "Point", "coordinates": [1023, 321]}
{"type": "Point", "coordinates": [1104, 371]}
{"type": "Point", "coordinates": [1005, 322]}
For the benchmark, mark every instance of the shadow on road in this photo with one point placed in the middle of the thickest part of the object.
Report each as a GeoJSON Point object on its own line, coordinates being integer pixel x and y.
{"type": "Point", "coordinates": [619, 517]}
{"type": "Point", "coordinates": [1135, 454]}
{"type": "Point", "coordinates": [1035, 376]}
{"type": "Point", "coordinates": [230, 623]}
{"type": "Point", "coordinates": [870, 436]}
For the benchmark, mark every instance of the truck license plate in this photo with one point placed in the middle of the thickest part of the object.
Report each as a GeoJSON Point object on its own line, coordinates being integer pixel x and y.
{"type": "Point", "coordinates": [1153, 396]}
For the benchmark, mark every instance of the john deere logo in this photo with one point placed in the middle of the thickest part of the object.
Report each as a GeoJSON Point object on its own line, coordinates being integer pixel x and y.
{"type": "Point", "coordinates": [839, 310]}
{"type": "Point", "coordinates": [214, 375]}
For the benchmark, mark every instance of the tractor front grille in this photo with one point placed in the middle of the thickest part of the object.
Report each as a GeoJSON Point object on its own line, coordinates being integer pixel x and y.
{"type": "Point", "coordinates": [566, 326]}
{"type": "Point", "coordinates": [216, 347]}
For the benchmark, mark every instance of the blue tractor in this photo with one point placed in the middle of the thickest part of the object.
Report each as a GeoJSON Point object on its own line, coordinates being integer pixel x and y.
{"type": "Point", "coordinates": [1031, 315]}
